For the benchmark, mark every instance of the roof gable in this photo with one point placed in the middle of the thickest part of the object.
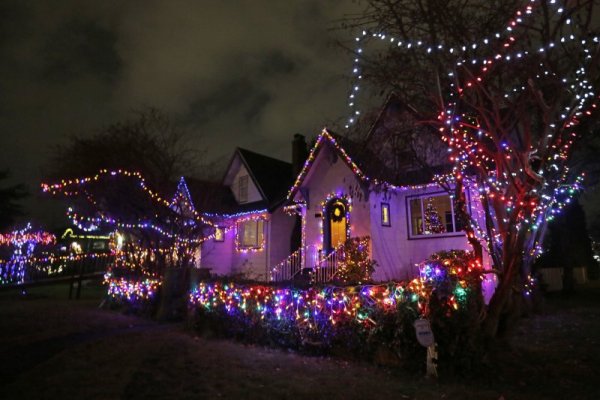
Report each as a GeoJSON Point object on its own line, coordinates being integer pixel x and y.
{"type": "Point", "coordinates": [271, 176]}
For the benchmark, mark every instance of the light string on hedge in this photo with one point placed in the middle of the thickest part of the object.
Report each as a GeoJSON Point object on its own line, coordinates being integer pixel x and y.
{"type": "Point", "coordinates": [321, 309]}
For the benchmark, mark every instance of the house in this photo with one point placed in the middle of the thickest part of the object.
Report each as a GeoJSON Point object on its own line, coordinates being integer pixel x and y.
{"type": "Point", "coordinates": [252, 232]}
{"type": "Point", "coordinates": [269, 228]}
{"type": "Point", "coordinates": [376, 189]}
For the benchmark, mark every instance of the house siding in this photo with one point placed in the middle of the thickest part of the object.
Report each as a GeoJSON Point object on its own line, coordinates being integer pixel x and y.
{"type": "Point", "coordinates": [280, 235]}
{"type": "Point", "coordinates": [394, 252]}
{"type": "Point", "coordinates": [253, 192]}
{"type": "Point", "coordinates": [330, 174]}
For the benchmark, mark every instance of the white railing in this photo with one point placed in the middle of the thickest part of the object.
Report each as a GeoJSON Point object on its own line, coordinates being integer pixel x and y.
{"type": "Point", "coordinates": [323, 269]}
{"type": "Point", "coordinates": [327, 267]}
{"type": "Point", "coordinates": [285, 270]}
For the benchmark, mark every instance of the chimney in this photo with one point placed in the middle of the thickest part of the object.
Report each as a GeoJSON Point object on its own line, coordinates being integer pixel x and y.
{"type": "Point", "coordinates": [299, 154]}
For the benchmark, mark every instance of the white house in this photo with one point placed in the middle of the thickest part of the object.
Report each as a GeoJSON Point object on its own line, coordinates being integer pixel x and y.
{"type": "Point", "coordinates": [278, 220]}
{"type": "Point", "coordinates": [337, 198]}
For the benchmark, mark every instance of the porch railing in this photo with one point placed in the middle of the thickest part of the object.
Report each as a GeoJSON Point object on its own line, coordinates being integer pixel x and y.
{"type": "Point", "coordinates": [322, 268]}
{"type": "Point", "coordinates": [327, 267]}
{"type": "Point", "coordinates": [285, 270]}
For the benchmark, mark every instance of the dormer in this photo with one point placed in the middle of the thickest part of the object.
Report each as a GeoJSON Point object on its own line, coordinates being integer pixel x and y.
{"type": "Point", "coordinates": [255, 178]}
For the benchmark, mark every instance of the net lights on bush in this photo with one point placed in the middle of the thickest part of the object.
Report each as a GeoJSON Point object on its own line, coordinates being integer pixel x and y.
{"type": "Point", "coordinates": [310, 308]}
{"type": "Point", "coordinates": [131, 290]}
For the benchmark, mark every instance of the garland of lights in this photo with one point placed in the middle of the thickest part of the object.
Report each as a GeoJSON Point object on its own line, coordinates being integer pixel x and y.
{"type": "Point", "coordinates": [238, 232]}
{"type": "Point", "coordinates": [64, 185]}
{"type": "Point", "coordinates": [23, 243]}
{"type": "Point", "coordinates": [324, 212]}
{"type": "Point", "coordinates": [131, 291]}
{"type": "Point", "coordinates": [326, 137]}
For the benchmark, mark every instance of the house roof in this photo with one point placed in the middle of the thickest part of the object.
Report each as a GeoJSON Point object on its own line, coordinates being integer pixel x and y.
{"type": "Point", "coordinates": [272, 176]}
{"type": "Point", "coordinates": [364, 163]}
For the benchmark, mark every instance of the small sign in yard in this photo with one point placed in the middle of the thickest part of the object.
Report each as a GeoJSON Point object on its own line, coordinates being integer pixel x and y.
{"type": "Point", "coordinates": [426, 339]}
{"type": "Point", "coordinates": [424, 333]}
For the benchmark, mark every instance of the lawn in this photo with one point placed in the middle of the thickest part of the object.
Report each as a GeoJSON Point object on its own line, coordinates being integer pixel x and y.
{"type": "Point", "coordinates": [51, 347]}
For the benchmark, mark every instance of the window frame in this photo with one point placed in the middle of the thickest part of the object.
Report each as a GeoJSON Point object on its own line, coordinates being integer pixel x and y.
{"type": "Point", "coordinates": [389, 215]}
{"type": "Point", "coordinates": [456, 233]}
{"type": "Point", "coordinates": [243, 196]}
{"type": "Point", "coordinates": [260, 244]}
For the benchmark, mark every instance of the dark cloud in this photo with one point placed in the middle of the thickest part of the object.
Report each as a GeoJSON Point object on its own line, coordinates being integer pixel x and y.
{"type": "Point", "coordinates": [235, 73]}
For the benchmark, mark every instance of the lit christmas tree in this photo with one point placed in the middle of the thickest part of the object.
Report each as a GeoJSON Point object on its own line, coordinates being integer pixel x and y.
{"type": "Point", "coordinates": [433, 222]}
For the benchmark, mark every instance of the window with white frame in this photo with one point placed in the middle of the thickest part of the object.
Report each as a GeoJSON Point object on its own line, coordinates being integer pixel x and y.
{"type": "Point", "coordinates": [250, 234]}
{"type": "Point", "coordinates": [243, 189]}
{"type": "Point", "coordinates": [431, 214]}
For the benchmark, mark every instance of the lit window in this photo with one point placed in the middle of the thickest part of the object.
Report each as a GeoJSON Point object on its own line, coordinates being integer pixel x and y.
{"type": "Point", "coordinates": [431, 215]}
{"type": "Point", "coordinates": [385, 214]}
{"type": "Point", "coordinates": [243, 189]}
{"type": "Point", "coordinates": [250, 234]}
{"type": "Point", "coordinates": [219, 234]}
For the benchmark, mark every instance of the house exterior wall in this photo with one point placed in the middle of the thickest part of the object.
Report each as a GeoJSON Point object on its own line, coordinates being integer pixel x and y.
{"type": "Point", "coordinates": [252, 264]}
{"type": "Point", "coordinates": [331, 175]}
{"type": "Point", "coordinates": [223, 258]}
{"type": "Point", "coordinates": [253, 192]}
{"type": "Point", "coordinates": [280, 235]}
{"type": "Point", "coordinates": [218, 256]}
{"type": "Point", "coordinates": [391, 246]}
{"type": "Point", "coordinates": [394, 250]}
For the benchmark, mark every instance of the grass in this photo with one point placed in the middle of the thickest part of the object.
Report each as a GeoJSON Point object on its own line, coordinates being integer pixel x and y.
{"type": "Point", "coordinates": [51, 347]}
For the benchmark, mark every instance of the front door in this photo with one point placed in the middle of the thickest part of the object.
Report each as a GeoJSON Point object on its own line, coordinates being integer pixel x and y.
{"type": "Point", "coordinates": [335, 225]}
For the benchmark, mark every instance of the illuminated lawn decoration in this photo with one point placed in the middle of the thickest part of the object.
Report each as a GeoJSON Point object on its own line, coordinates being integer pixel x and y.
{"type": "Point", "coordinates": [131, 290]}
{"type": "Point", "coordinates": [23, 243]}
{"type": "Point", "coordinates": [318, 312]}
{"type": "Point", "coordinates": [355, 266]}
{"type": "Point", "coordinates": [310, 309]}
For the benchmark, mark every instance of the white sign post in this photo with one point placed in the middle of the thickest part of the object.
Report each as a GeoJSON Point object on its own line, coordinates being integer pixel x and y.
{"type": "Point", "coordinates": [426, 339]}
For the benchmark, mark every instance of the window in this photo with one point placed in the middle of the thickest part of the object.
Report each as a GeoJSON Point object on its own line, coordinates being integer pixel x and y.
{"type": "Point", "coordinates": [385, 215]}
{"type": "Point", "coordinates": [243, 189]}
{"type": "Point", "coordinates": [432, 214]}
{"type": "Point", "coordinates": [99, 245]}
{"type": "Point", "coordinates": [219, 234]}
{"type": "Point", "coordinates": [250, 234]}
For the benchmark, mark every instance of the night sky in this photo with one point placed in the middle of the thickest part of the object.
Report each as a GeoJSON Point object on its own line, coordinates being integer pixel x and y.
{"type": "Point", "coordinates": [234, 73]}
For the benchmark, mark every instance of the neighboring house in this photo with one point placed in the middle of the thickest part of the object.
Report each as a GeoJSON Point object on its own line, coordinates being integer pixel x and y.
{"type": "Point", "coordinates": [253, 233]}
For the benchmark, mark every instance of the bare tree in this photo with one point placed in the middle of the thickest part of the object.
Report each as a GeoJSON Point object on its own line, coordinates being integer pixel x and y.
{"type": "Point", "coordinates": [509, 86]}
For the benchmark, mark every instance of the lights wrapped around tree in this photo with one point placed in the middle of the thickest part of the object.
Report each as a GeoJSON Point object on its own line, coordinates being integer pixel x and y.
{"type": "Point", "coordinates": [355, 267]}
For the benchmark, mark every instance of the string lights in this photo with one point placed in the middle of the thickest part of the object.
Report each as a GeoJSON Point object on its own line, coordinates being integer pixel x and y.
{"type": "Point", "coordinates": [23, 243]}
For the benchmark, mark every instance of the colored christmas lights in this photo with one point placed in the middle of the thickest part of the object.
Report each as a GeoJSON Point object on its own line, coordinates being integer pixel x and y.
{"type": "Point", "coordinates": [64, 185]}
{"type": "Point", "coordinates": [131, 290]}
{"type": "Point", "coordinates": [23, 243]}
